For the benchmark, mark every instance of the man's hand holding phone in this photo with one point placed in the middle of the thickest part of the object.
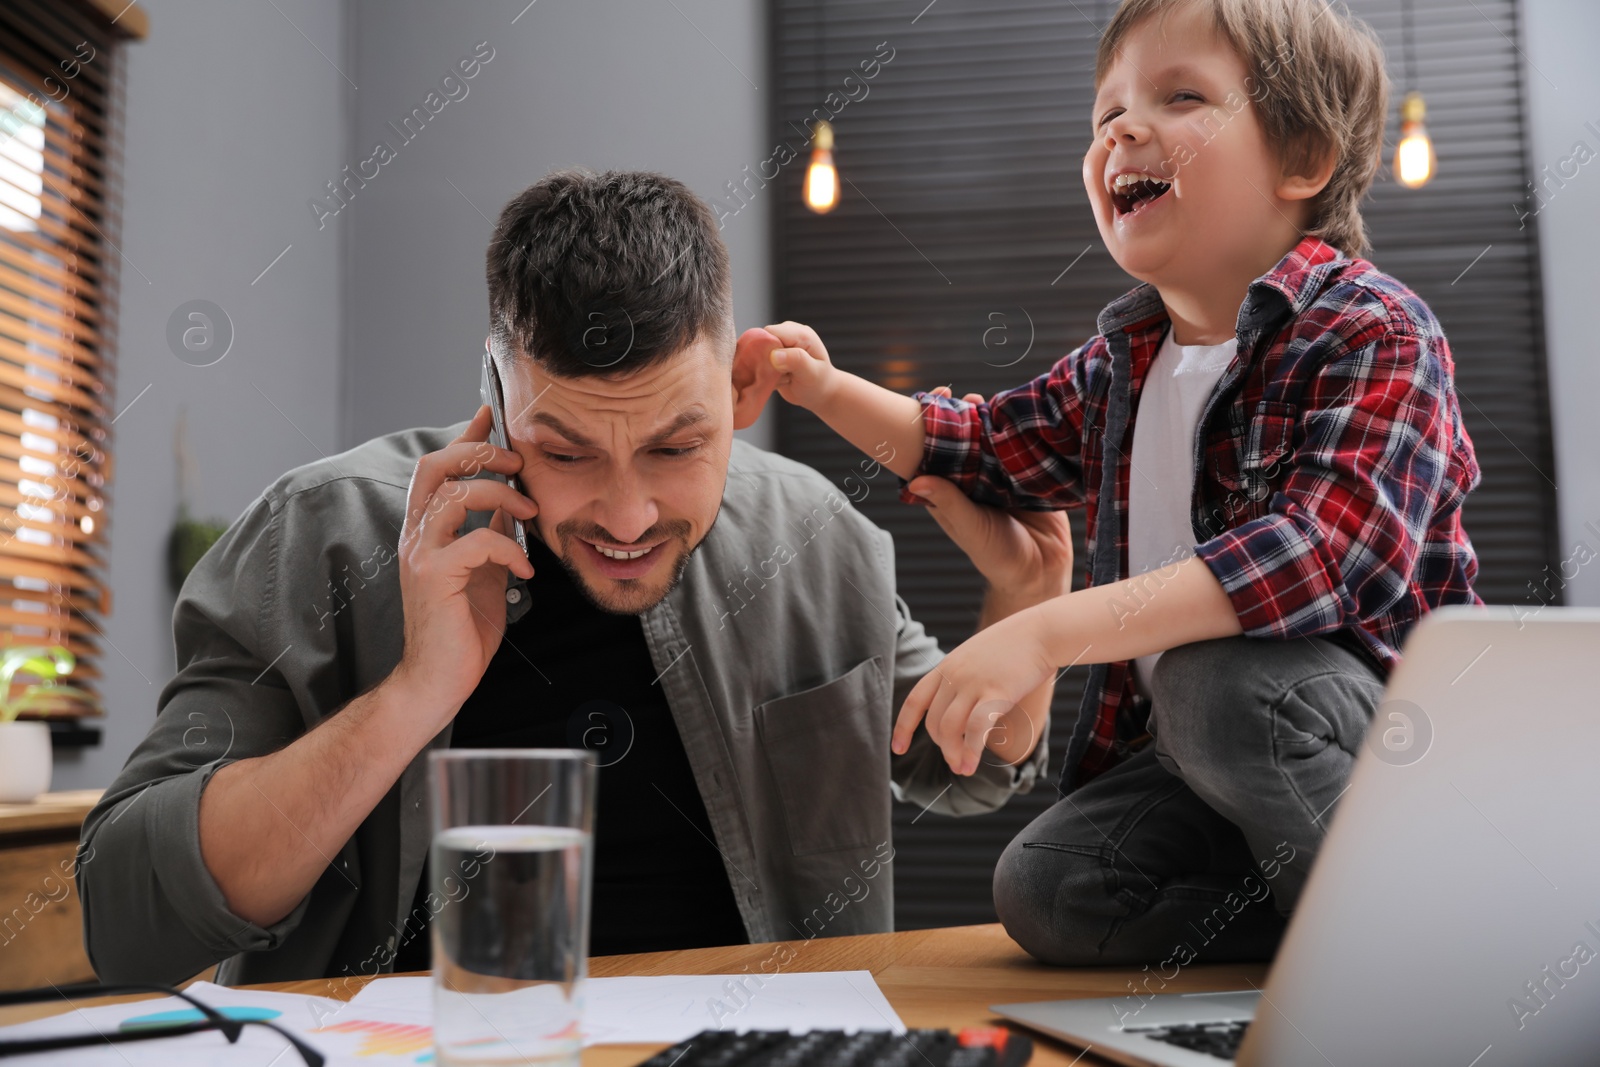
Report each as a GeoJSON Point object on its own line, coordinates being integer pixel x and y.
{"type": "Point", "coordinates": [453, 588]}
{"type": "Point", "coordinates": [265, 857]}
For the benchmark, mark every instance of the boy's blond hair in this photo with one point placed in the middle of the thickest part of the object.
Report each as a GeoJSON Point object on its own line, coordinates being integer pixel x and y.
{"type": "Point", "coordinates": [1318, 83]}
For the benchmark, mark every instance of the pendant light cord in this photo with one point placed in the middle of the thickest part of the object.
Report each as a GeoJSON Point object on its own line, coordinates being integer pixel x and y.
{"type": "Point", "coordinates": [1407, 33]}
{"type": "Point", "coordinates": [822, 34]}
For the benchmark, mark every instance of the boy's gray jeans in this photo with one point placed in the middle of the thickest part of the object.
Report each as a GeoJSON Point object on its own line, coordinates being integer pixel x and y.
{"type": "Point", "coordinates": [1197, 845]}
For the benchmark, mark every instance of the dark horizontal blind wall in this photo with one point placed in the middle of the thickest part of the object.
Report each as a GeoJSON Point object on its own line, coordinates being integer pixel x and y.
{"type": "Point", "coordinates": [963, 252]}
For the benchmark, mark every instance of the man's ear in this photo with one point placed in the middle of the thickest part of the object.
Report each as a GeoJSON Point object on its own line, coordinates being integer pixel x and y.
{"type": "Point", "coordinates": [754, 376]}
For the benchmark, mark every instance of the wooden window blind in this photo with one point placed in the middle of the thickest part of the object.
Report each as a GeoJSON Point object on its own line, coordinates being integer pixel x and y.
{"type": "Point", "coordinates": [59, 79]}
{"type": "Point", "coordinates": [963, 252]}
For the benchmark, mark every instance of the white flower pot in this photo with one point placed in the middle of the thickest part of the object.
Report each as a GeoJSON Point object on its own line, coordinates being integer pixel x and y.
{"type": "Point", "coordinates": [24, 761]}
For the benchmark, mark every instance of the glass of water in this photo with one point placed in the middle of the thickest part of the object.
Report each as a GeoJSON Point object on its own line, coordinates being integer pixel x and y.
{"type": "Point", "coordinates": [512, 855]}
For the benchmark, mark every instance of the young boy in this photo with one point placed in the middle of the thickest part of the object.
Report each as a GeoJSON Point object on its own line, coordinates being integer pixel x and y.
{"type": "Point", "coordinates": [1265, 437]}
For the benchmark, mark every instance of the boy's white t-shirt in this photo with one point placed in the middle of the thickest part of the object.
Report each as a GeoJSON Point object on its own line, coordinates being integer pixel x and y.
{"type": "Point", "coordinates": [1160, 531]}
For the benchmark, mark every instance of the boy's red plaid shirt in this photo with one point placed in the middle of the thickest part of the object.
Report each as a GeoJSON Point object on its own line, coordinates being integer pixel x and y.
{"type": "Point", "coordinates": [1331, 463]}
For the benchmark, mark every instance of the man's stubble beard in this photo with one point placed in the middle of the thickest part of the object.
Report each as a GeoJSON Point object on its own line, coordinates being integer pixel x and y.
{"type": "Point", "coordinates": [568, 531]}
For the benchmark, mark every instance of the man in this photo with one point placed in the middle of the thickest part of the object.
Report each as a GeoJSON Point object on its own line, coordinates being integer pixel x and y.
{"type": "Point", "coordinates": [715, 621]}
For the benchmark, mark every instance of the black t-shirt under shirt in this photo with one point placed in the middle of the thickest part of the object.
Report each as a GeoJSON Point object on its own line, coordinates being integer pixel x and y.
{"type": "Point", "coordinates": [568, 675]}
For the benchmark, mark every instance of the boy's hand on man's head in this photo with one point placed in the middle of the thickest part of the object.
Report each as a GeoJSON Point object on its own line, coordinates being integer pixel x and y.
{"type": "Point", "coordinates": [791, 358]}
{"type": "Point", "coordinates": [788, 357]}
{"type": "Point", "coordinates": [754, 376]}
{"type": "Point", "coordinates": [805, 373]}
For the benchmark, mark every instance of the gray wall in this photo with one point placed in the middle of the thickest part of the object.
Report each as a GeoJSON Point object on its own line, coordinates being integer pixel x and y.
{"type": "Point", "coordinates": [216, 171]}
{"type": "Point", "coordinates": [606, 84]}
{"type": "Point", "coordinates": [1564, 110]}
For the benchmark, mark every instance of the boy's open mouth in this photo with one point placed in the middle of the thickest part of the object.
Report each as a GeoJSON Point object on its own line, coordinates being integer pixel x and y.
{"type": "Point", "coordinates": [1130, 192]}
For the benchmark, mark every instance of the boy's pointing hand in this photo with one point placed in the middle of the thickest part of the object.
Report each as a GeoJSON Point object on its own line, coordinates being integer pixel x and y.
{"type": "Point", "coordinates": [972, 689]}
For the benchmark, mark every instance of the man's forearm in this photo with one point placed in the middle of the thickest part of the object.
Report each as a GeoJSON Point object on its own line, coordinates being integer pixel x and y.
{"type": "Point", "coordinates": [270, 825]}
{"type": "Point", "coordinates": [884, 424]}
{"type": "Point", "coordinates": [1152, 612]}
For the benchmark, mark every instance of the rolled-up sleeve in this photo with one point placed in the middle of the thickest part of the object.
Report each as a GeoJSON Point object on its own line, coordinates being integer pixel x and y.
{"type": "Point", "coordinates": [151, 910]}
{"type": "Point", "coordinates": [1376, 461]}
{"type": "Point", "coordinates": [1021, 448]}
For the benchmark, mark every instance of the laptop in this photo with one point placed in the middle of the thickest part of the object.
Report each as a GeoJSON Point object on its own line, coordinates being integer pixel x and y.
{"type": "Point", "coordinates": [1452, 916]}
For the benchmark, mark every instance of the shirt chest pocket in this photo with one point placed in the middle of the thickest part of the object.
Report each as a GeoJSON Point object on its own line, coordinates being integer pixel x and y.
{"type": "Point", "coordinates": [828, 750]}
{"type": "Point", "coordinates": [1260, 457]}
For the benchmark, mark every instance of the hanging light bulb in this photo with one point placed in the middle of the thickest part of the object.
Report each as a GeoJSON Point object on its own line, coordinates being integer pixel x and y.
{"type": "Point", "coordinates": [1413, 156]}
{"type": "Point", "coordinates": [1414, 160]}
{"type": "Point", "coordinates": [822, 179]}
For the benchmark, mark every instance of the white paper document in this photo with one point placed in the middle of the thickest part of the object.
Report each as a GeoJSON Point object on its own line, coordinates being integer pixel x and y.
{"type": "Point", "coordinates": [389, 1021]}
{"type": "Point", "coordinates": [669, 1008]}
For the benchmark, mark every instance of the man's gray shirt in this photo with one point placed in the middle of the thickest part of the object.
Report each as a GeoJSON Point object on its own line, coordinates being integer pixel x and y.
{"type": "Point", "coordinates": [784, 654]}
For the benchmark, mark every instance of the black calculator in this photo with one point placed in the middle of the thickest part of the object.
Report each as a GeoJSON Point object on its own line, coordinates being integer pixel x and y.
{"type": "Point", "coordinates": [972, 1047]}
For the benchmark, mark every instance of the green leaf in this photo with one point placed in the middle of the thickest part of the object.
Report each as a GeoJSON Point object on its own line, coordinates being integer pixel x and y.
{"type": "Point", "coordinates": [45, 664]}
{"type": "Point", "coordinates": [45, 697]}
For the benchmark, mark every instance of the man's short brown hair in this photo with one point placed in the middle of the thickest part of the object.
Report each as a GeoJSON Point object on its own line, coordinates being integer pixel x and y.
{"type": "Point", "coordinates": [605, 274]}
{"type": "Point", "coordinates": [1319, 87]}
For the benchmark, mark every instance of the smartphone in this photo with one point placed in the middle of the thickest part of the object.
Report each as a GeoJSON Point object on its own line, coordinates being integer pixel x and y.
{"type": "Point", "coordinates": [489, 390]}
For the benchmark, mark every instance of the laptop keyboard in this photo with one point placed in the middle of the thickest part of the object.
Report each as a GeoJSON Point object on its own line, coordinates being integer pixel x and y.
{"type": "Point", "coordinates": [1215, 1039]}
{"type": "Point", "coordinates": [972, 1047]}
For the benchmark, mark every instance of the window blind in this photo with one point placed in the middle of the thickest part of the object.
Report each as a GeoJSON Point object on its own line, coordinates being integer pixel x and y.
{"type": "Point", "coordinates": [963, 252]}
{"type": "Point", "coordinates": [58, 274]}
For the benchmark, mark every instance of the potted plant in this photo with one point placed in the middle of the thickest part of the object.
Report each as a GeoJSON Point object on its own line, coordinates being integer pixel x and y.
{"type": "Point", "coordinates": [25, 746]}
{"type": "Point", "coordinates": [190, 538]}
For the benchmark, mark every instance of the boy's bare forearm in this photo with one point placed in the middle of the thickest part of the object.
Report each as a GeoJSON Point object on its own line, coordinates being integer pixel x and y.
{"type": "Point", "coordinates": [1167, 607]}
{"type": "Point", "coordinates": [884, 424]}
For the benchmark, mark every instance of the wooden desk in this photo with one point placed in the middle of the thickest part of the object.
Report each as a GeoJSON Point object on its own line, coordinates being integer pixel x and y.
{"type": "Point", "coordinates": [933, 978]}
{"type": "Point", "coordinates": [41, 923]}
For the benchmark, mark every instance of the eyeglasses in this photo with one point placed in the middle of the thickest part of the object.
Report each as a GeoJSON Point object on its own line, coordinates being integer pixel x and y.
{"type": "Point", "coordinates": [213, 1020]}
